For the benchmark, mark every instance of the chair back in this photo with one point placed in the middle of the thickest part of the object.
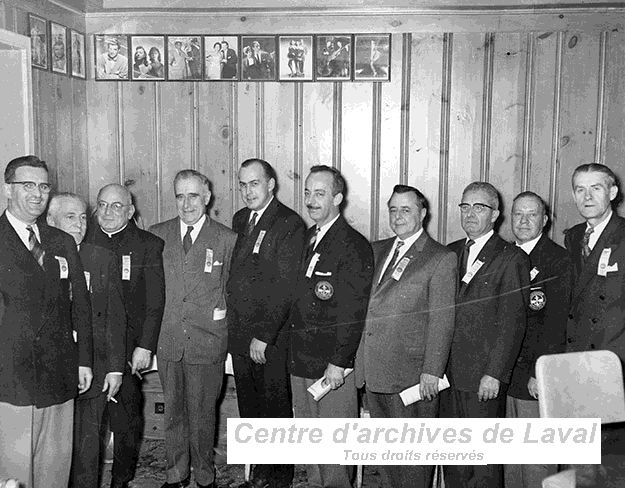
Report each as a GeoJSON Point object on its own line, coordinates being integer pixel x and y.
{"type": "Point", "coordinates": [564, 479]}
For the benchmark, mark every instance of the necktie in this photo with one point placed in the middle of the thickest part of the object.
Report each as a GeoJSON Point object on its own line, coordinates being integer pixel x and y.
{"type": "Point", "coordinates": [35, 246]}
{"type": "Point", "coordinates": [186, 240]}
{"type": "Point", "coordinates": [464, 257]}
{"type": "Point", "coordinates": [585, 240]}
{"type": "Point", "coordinates": [391, 264]}
{"type": "Point", "coordinates": [249, 228]}
{"type": "Point", "coordinates": [311, 242]}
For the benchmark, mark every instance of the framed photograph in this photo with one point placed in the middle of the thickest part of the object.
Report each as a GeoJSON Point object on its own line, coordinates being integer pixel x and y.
{"type": "Point", "coordinates": [111, 57]}
{"type": "Point", "coordinates": [333, 57]}
{"type": "Point", "coordinates": [221, 58]}
{"type": "Point", "coordinates": [258, 58]}
{"type": "Point", "coordinates": [38, 30]}
{"type": "Point", "coordinates": [148, 53]}
{"type": "Point", "coordinates": [372, 57]}
{"type": "Point", "coordinates": [77, 54]}
{"type": "Point", "coordinates": [58, 50]}
{"type": "Point", "coordinates": [296, 58]}
{"type": "Point", "coordinates": [184, 58]}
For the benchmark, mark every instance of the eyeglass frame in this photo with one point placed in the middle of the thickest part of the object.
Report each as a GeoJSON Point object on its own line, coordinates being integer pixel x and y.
{"type": "Point", "coordinates": [43, 187]}
{"type": "Point", "coordinates": [478, 207]}
{"type": "Point", "coordinates": [116, 207]}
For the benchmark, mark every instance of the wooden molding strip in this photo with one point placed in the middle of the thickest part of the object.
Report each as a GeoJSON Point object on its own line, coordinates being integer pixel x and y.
{"type": "Point", "coordinates": [443, 171]}
{"type": "Point", "coordinates": [600, 128]}
{"type": "Point", "coordinates": [528, 115]}
{"type": "Point", "coordinates": [555, 138]}
{"type": "Point", "coordinates": [404, 133]}
{"type": "Point", "coordinates": [487, 105]}
{"type": "Point", "coordinates": [376, 143]}
{"type": "Point", "coordinates": [337, 125]}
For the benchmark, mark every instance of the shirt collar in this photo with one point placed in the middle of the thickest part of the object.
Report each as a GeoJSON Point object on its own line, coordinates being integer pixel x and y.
{"type": "Point", "coordinates": [529, 246]}
{"type": "Point", "coordinates": [598, 229]}
{"type": "Point", "coordinates": [196, 227]}
{"type": "Point", "coordinates": [323, 230]}
{"type": "Point", "coordinates": [408, 241]}
{"type": "Point", "coordinates": [259, 213]}
{"type": "Point", "coordinates": [111, 234]}
{"type": "Point", "coordinates": [480, 241]}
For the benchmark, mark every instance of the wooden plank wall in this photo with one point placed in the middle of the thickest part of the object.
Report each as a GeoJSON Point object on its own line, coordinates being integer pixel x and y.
{"type": "Point", "coordinates": [59, 102]}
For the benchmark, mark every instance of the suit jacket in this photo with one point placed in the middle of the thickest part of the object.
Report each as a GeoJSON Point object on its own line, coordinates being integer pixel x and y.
{"type": "Point", "coordinates": [410, 321]}
{"type": "Point", "coordinates": [597, 315]}
{"type": "Point", "coordinates": [329, 312]}
{"type": "Point", "coordinates": [144, 292]}
{"type": "Point", "coordinates": [194, 329]}
{"type": "Point", "coordinates": [490, 315]}
{"type": "Point", "coordinates": [108, 317]}
{"type": "Point", "coordinates": [38, 356]}
{"type": "Point", "coordinates": [550, 295]}
{"type": "Point", "coordinates": [262, 281]}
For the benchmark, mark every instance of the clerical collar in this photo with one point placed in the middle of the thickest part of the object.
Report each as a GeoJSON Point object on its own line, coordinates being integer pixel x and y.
{"type": "Point", "coordinates": [111, 234]}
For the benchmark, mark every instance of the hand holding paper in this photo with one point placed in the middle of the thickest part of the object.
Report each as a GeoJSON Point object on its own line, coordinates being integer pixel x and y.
{"type": "Point", "coordinates": [413, 394]}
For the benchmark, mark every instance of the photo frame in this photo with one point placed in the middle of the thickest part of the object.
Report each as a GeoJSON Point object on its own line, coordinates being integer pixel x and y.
{"type": "Point", "coordinates": [258, 58]}
{"type": "Point", "coordinates": [333, 57]}
{"type": "Point", "coordinates": [59, 52]}
{"type": "Point", "coordinates": [295, 60]}
{"type": "Point", "coordinates": [221, 58]}
{"type": "Point", "coordinates": [78, 54]}
{"type": "Point", "coordinates": [184, 58]}
{"type": "Point", "coordinates": [111, 57]}
{"type": "Point", "coordinates": [38, 32]}
{"type": "Point", "coordinates": [372, 57]}
{"type": "Point", "coordinates": [148, 58]}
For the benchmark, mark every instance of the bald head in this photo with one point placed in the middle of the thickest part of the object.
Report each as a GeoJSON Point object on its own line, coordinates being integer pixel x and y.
{"type": "Point", "coordinates": [114, 208]}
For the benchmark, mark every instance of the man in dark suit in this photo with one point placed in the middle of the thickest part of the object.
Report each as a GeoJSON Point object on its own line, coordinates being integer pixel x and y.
{"type": "Point", "coordinates": [550, 292]}
{"type": "Point", "coordinates": [230, 62]}
{"type": "Point", "coordinates": [491, 302]}
{"type": "Point", "coordinates": [41, 361]}
{"type": "Point", "coordinates": [409, 326]}
{"type": "Point", "coordinates": [68, 212]}
{"type": "Point", "coordinates": [193, 342]}
{"type": "Point", "coordinates": [329, 311]}
{"type": "Point", "coordinates": [263, 276]}
{"type": "Point", "coordinates": [139, 259]}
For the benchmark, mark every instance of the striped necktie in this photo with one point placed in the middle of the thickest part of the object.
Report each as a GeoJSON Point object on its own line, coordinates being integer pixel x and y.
{"type": "Point", "coordinates": [35, 246]}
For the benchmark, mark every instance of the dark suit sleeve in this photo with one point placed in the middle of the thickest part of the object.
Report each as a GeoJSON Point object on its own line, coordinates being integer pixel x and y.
{"type": "Point", "coordinates": [81, 306]}
{"type": "Point", "coordinates": [115, 318]}
{"type": "Point", "coordinates": [155, 294]}
{"type": "Point", "coordinates": [442, 293]}
{"type": "Point", "coordinates": [289, 252]}
{"type": "Point", "coordinates": [229, 248]}
{"type": "Point", "coordinates": [511, 315]}
{"type": "Point", "coordinates": [353, 288]}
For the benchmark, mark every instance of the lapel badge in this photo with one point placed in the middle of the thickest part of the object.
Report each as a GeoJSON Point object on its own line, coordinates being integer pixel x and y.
{"type": "Point", "coordinates": [538, 300]}
{"type": "Point", "coordinates": [324, 290]}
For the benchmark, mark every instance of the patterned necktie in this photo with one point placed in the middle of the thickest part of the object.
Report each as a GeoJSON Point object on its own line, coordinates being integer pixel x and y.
{"type": "Point", "coordinates": [35, 246]}
{"type": "Point", "coordinates": [391, 264]}
{"type": "Point", "coordinates": [186, 240]}
{"type": "Point", "coordinates": [311, 242]}
{"type": "Point", "coordinates": [585, 240]}
{"type": "Point", "coordinates": [464, 257]}
{"type": "Point", "coordinates": [249, 228]}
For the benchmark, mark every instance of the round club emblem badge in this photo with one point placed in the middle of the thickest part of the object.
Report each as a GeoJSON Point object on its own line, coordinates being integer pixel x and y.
{"type": "Point", "coordinates": [538, 300]}
{"type": "Point", "coordinates": [324, 290]}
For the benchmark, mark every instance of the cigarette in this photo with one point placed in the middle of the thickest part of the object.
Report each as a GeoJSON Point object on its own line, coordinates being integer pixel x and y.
{"type": "Point", "coordinates": [112, 399]}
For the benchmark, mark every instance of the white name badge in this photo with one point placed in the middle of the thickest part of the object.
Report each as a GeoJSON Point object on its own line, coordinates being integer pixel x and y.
{"type": "Point", "coordinates": [259, 241]}
{"type": "Point", "coordinates": [219, 314]}
{"type": "Point", "coordinates": [126, 264]}
{"type": "Point", "coordinates": [313, 263]}
{"type": "Point", "coordinates": [399, 269]}
{"type": "Point", "coordinates": [533, 273]}
{"type": "Point", "coordinates": [88, 280]}
{"type": "Point", "coordinates": [602, 267]}
{"type": "Point", "coordinates": [208, 261]}
{"type": "Point", "coordinates": [471, 273]}
{"type": "Point", "coordinates": [63, 267]}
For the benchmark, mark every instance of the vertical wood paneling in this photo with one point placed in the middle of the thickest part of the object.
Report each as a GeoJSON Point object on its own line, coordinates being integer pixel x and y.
{"type": "Point", "coordinates": [140, 172]}
{"type": "Point", "coordinates": [391, 135]}
{"type": "Point", "coordinates": [507, 121]}
{"type": "Point", "coordinates": [247, 129]}
{"type": "Point", "coordinates": [578, 115]}
{"type": "Point", "coordinates": [62, 98]}
{"type": "Point", "coordinates": [487, 103]}
{"type": "Point", "coordinates": [80, 153]}
{"type": "Point", "coordinates": [279, 133]}
{"type": "Point", "coordinates": [445, 116]}
{"type": "Point", "coordinates": [425, 116]}
{"type": "Point", "coordinates": [356, 146]}
{"type": "Point", "coordinates": [176, 127]}
{"type": "Point", "coordinates": [47, 123]}
{"type": "Point", "coordinates": [215, 146]}
{"type": "Point", "coordinates": [465, 125]}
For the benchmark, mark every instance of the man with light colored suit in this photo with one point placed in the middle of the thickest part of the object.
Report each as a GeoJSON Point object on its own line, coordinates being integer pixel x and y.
{"type": "Point", "coordinates": [193, 340]}
{"type": "Point", "coordinates": [409, 325]}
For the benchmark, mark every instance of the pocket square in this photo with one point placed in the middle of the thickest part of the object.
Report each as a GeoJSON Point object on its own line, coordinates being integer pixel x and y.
{"type": "Point", "coordinates": [323, 273]}
{"type": "Point", "coordinates": [217, 263]}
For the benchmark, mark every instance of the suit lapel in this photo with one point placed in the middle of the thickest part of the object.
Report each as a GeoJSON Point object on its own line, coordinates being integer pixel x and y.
{"type": "Point", "coordinates": [387, 248]}
{"type": "Point", "coordinates": [265, 222]}
{"type": "Point", "coordinates": [51, 273]}
{"type": "Point", "coordinates": [21, 256]}
{"type": "Point", "coordinates": [414, 255]}
{"type": "Point", "coordinates": [486, 255]}
{"type": "Point", "coordinates": [197, 255]}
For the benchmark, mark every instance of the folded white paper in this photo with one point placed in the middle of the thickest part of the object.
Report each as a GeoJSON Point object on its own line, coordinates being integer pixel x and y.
{"type": "Point", "coordinates": [413, 394]}
{"type": "Point", "coordinates": [229, 366]}
{"type": "Point", "coordinates": [318, 391]}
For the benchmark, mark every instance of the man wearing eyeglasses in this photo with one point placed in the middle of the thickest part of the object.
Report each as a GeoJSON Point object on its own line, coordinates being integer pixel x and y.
{"type": "Point", "coordinates": [491, 302]}
{"type": "Point", "coordinates": [140, 263]}
{"type": "Point", "coordinates": [43, 296]}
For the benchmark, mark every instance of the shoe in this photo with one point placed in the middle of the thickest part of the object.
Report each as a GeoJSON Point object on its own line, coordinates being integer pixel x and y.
{"type": "Point", "coordinates": [179, 484]}
{"type": "Point", "coordinates": [210, 485]}
{"type": "Point", "coordinates": [257, 483]}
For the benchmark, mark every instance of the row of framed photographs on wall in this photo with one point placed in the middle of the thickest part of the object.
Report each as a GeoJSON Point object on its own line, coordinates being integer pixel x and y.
{"type": "Point", "coordinates": [57, 48]}
{"type": "Point", "coordinates": [336, 57]}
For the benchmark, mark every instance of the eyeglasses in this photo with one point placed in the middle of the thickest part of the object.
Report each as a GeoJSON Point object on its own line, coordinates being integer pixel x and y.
{"type": "Point", "coordinates": [116, 207]}
{"type": "Point", "coordinates": [31, 185]}
{"type": "Point", "coordinates": [478, 208]}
